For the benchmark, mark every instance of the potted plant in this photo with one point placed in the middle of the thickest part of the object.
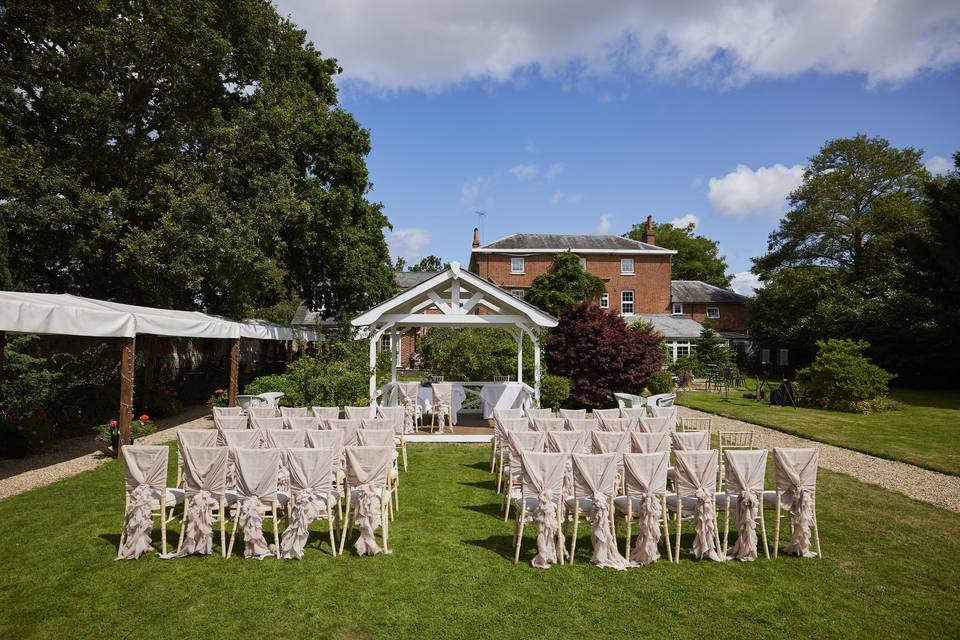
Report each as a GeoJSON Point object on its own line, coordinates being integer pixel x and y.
{"type": "Point", "coordinates": [109, 432]}
{"type": "Point", "coordinates": [220, 398]}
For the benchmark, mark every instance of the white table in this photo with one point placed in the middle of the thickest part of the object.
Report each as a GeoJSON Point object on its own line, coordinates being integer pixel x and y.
{"type": "Point", "coordinates": [501, 395]}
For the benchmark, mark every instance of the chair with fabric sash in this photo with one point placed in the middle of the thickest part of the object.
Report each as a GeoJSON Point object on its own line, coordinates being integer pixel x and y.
{"type": "Point", "coordinates": [223, 412]}
{"type": "Point", "coordinates": [332, 439]}
{"type": "Point", "coordinates": [732, 441]}
{"type": "Point", "coordinates": [633, 412]}
{"type": "Point", "coordinates": [442, 405]}
{"type": "Point", "coordinates": [256, 497]}
{"type": "Point", "coordinates": [547, 424]}
{"type": "Point", "coordinates": [745, 471]}
{"type": "Point", "coordinates": [519, 442]}
{"type": "Point", "coordinates": [348, 427]}
{"type": "Point", "coordinates": [656, 425]}
{"type": "Point", "coordinates": [193, 438]}
{"type": "Point", "coordinates": [566, 442]}
{"type": "Point", "coordinates": [645, 498]}
{"type": "Point", "coordinates": [641, 442]}
{"type": "Point", "coordinates": [326, 413]}
{"type": "Point", "coordinates": [294, 412]}
{"type": "Point", "coordinates": [263, 412]}
{"type": "Point", "coordinates": [531, 412]}
{"type": "Point", "coordinates": [696, 482]}
{"type": "Point", "coordinates": [796, 493]}
{"type": "Point", "coordinates": [410, 400]}
{"type": "Point", "coordinates": [146, 495]}
{"type": "Point", "coordinates": [602, 415]}
{"type": "Point", "coordinates": [230, 423]}
{"type": "Point", "coordinates": [664, 412]}
{"type": "Point", "coordinates": [205, 486]}
{"type": "Point", "coordinates": [541, 496]}
{"type": "Point", "coordinates": [594, 490]}
{"type": "Point", "coordinates": [312, 497]}
{"type": "Point", "coordinates": [358, 413]}
{"type": "Point", "coordinates": [506, 426]}
{"type": "Point", "coordinates": [384, 438]}
{"type": "Point", "coordinates": [573, 414]}
{"type": "Point", "coordinates": [496, 443]}
{"type": "Point", "coordinates": [368, 498]}
{"type": "Point", "coordinates": [396, 417]}
{"type": "Point", "coordinates": [619, 424]}
{"type": "Point", "coordinates": [304, 423]}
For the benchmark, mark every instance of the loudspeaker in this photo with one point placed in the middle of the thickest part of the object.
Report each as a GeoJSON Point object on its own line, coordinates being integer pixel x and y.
{"type": "Point", "coordinates": [765, 356]}
{"type": "Point", "coordinates": [782, 357]}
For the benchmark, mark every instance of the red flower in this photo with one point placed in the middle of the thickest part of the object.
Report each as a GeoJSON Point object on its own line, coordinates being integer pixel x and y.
{"type": "Point", "coordinates": [43, 414]}
{"type": "Point", "coordinates": [144, 418]}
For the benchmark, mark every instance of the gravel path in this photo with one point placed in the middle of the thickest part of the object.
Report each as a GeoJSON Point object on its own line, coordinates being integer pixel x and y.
{"type": "Point", "coordinates": [920, 484]}
{"type": "Point", "coordinates": [72, 456]}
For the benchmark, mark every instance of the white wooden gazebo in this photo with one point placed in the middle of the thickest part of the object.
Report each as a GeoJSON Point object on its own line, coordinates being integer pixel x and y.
{"type": "Point", "coordinates": [454, 298]}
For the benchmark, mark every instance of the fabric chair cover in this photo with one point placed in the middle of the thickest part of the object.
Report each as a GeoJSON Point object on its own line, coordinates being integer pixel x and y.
{"type": "Point", "coordinates": [514, 424]}
{"type": "Point", "coordinates": [267, 423]}
{"type": "Point", "coordinates": [285, 439]}
{"type": "Point", "coordinates": [257, 476]}
{"type": "Point", "coordinates": [376, 437]}
{"type": "Point", "coordinates": [379, 424]}
{"type": "Point", "coordinates": [195, 438]}
{"type": "Point", "coordinates": [328, 439]}
{"type": "Point", "coordinates": [249, 439]}
{"type": "Point", "coordinates": [263, 412]}
{"type": "Point", "coordinates": [566, 442]}
{"type": "Point", "coordinates": [230, 422]}
{"type": "Point", "coordinates": [326, 413]}
{"type": "Point", "coordinates": [409, 400]}
{"type": "Point", "coordinates": [602, 415]}
{"type": "Point", "coordinates": [205, 482]}
{"type": "Point", "coordinates": [144, 473]}
{"type": "Point", "coordinates": [696, 477]}
{"type": "Point", "coordinates": [573, 414]}
{"type": "Point", "coordinates": [664, 412]}
{"type": "Point", "coordinates": [396, 418]}
{"type": "Point", "coordinates": [349, 429]}
{"type": "Point", "coordinates": [619, 424]}
{"type": "Point", "coordinates": [311, 472]}
{"type": "Point", "coordinates": [367, 472]}
{"type": "Point", "coordinates": [665, 424]}
{"type": "Point", "coordinates": [587, 424]}
{"type": "Point", "coordinates": [649, 442]}
{"type": "Point", "coordinates": [611, 442]}
{"type": "Point", "coordinates": [744, 472]}
{"type": "Point", "coordinates": [595, 477]}
{"type": "Point", "coordinates": [526, 441]}
{"type": "Point", "coordinates": [294, 412]}
{"type": "Point", "coordinates": [796, 478]}
{"type": "Point", "coordinates": [691, 440]}
{"type": "Point", "coordinates": [547, 424]}
{"type": "Point", "coordinates": [507, 414]}
{"type": "Point", "coordinates": [304, 423]}
{"type": "Point", "coordinates": [223, 412]}
{"type": "Point", "coordinates": [633, 412]}
{"type": "Point", "coordinates": [645, 476]}
{"type": "Point", "coordinates": [358, 413]}
{"type": "Point", "coordinates": [542, 479]}
{"type": "Point", "coordinates": [442, 399]}
{"type": "Point", "coordinates": [538, 413]}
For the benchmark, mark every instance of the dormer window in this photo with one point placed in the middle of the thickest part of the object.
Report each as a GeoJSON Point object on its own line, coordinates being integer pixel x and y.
{"type": "Point", "coordinates": [517, 265]}
{"type": "Point", "coordinates": [626, 267]}
{"type": "Point", "coordinates": [678, 308]}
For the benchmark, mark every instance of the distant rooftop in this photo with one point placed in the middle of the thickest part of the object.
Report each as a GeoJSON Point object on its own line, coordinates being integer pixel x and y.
{"type": "Point", "coordinates": [559, 242]}
{"type": "Point", "coordinates": [672, 327]}
{"type": "Point", "coordinates": [697, 291]}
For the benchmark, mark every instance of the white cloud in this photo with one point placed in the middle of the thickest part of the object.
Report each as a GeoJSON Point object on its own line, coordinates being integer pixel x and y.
{"type": "Point", "coordinates": [531, 148]}
{"type": "Point", "coordinates": [408, 243]}
{"type": "Point", "coordinates": [745, 283]}
{"type": "Point", "coordinates": [684, 221]}
{"type": "Point", "coordinates": [938, 165]}
{"type": "Point", "coordinates": [525, 171]}
{"type": "Point", "coordinates": [744, 192]}
{"type": "Point", "coordinates": [426, 44]}
{"type": "Point", "coordinates": [605, 224]}
{"type": "Point", "coordinates": [470, 191]}
{"type": "Point", "coordinates": [555, 170]}
{"type": "Point", "coordinates": [561, 197]}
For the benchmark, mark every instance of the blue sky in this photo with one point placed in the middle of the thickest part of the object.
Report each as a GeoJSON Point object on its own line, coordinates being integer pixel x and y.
{"type": "Point", "coordinates": [588, 125]}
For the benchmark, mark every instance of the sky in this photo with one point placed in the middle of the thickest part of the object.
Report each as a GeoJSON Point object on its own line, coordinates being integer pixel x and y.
{"type": "Point", "coordinates": [586, 117]}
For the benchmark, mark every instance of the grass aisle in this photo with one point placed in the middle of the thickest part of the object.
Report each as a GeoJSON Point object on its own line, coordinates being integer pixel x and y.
{"type": "Point", "coordinates": [891, 569]}
{"type": "Point", "coordinates": [925, 433]}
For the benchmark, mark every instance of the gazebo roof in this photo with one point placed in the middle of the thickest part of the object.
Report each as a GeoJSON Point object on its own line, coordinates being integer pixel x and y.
{"type": "Point", "coordinates": [454, 297]}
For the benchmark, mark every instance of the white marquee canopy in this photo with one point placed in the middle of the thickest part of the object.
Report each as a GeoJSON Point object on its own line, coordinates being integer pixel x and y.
{"type": "Point", "coordinates": [454, 298]}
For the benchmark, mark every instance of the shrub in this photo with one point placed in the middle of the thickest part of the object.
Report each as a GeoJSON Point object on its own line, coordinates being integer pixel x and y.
{"type": "Point", "coordinates": [474, 354]}
{"type": "Point", "coordinates": [660, 382]}
{"type": "Point", "coordinates": [842, 378]}
{"type": "Point", "coordinates": [690, 364]}
{"type": "Point", "coordinates": [554, 391]}
{"type": "Point", "coordinates": [599, 355]}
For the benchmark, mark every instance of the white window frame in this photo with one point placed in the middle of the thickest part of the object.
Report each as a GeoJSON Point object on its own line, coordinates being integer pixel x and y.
{"type": "Point", "coordinates": [604, 300]}
{"type": "Point", "coordinates": [632, 302]}
{"type": "Point", "coordinates": [513, 263]}
{"type": "Point", "coordinates": [674, 346]}
{"type": "Point", "coordinates": [517, 293]}
{"type": "Point", "coordinates": [715, 315]}
{"type": "Point", "coordinates": [677, 309]}
{"type": "Point", "coordinates": [583, 263]}
{"type": "Point", "coordinates": [623, 264]}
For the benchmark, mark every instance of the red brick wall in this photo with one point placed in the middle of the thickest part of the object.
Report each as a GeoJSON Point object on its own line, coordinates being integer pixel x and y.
{"type": "Point", "coordinates": [650, 283]}
{"type": "Point", "coordinates": [733, 317]}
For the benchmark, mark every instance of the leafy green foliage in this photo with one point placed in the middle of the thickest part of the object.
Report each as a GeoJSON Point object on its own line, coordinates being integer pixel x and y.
{"type": "Point", "coordinates": [554, 391]}
{"type": "Point", "coordinates": [185, 155]}
{"type": "Point", "coordinates": [474, 354]}
{"type": "Point", "coordinates": [841, 376]}
{"type": "Point", "coordinates": [567, 283]}
{"type": "Point", "coordinates": [430, 263]}
{"type": "Point", "coordinates": [660, 382]}
{"type": "Point", "coordinates": [698, 257]}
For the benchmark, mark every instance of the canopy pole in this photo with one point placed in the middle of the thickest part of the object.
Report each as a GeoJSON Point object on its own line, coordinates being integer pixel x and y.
{"type": "Point", "coordinates": [536, 368]}
{"type": "Point", "coordinates": [394, 351]}
{"type": "Point", "coordinates": [519, 355]}
{"type": "Point", "coordinates": [374, 335]}
{"type": "Point", "coordinates": [234, 371]}
{"type": "Point", "coordinates": [150, 372]}
{"type": "Point", "coordinates": [127, 354]}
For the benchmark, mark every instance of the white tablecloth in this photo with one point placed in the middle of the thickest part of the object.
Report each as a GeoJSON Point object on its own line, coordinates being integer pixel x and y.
{"type": "Point", "coordinates": [509, 395]}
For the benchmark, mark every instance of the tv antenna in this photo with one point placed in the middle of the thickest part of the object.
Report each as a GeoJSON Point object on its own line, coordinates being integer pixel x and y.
{"type": "Point", "coordinates": [480, 216]}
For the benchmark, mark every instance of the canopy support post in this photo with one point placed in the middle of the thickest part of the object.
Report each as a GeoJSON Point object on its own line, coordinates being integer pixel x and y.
{"type": "Point", "coordinates": [234, 371]}
{"type": "Point", "coordinates": [536, 368]}
{"type": "Point", "coordinates": [394, 352]}
{"type": "Point", "coordinates": [374, 336]}
{"type": "Point", "coordinates": [127, 354]}
{"type": "Point", "coordinates": [519, 356]}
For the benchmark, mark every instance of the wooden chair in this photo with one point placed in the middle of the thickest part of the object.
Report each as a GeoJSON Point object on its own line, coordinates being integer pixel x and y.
{"type": "Point", "coordinates": [193, 438]}
{"type": "Point", "coordinates": [732, 440]}
{"type": "Point", "coordinates": [205, 486]}
{"type": "Point", "coordinates": [410, 398]}
{"type": "Point", "coordinates": [311, 486]}
{"type": "Point", "coordinates": [396, 416]}
{"type": "Point", "coordinates": [796, 488]}
{"type": "Point", "coordinates": [595, 475]}
{"type": "Point", "coordinates": [696, 481]}
{"type": "Point", "coordinates": [304, 423]}
{"type": "Point", "coordinates": [384, 438]}
{"type": "Point", "coordinates": [695, 424]}
{"type": "Point", "coordinates": [645, 485]}
{"type": "Point", "coordinates": [745, 471]}
{"type": "Point", "coordinates": [541, 476]}
{"type": "Point", "coordinates": [519, 443]}
{"type": "Point", "coordinates": [368, 469]}
{"type": "Point", "coordinates": [256, 497]}
{"type": "Point", "coordinates": [442, 405]}
{"type": "Point", "coordinates": [496, 443]}
{"type": "Point", "coordinates": [505, 426]}
{"type": "Point", "coordinates": [146, 496]}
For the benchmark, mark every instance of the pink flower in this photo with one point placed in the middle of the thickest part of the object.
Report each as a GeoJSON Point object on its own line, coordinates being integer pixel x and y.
{"type": "Point", "coordinates": [218, 391]}
{"type": "Point", "coordinates": [113, 423]}
{"type": "Point", "coordinates": [144, 418]}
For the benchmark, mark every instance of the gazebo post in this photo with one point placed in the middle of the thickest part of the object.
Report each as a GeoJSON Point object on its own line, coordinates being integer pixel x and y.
{"type": "Point", "coordinates": [394, 349]}
{"type": "Point", "coordinates": [234, 371]}
{"type": "Point", "coordinates": [536, 367]}
{"type": "Point", "coordinates": [374, 336]}
{"type": "Point", "coordinates": [519, 355]}
{"type": "Point", "coordinates": [127, 355]}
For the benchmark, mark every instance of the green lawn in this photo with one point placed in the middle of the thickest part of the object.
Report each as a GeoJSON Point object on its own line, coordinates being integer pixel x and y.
{"type": "Point", "coordinates": [926, 433]}
{"type": "Point", "coordinates": [891, 570]}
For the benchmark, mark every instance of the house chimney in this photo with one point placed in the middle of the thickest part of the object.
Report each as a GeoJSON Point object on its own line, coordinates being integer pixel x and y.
{"type": "Point", "coordinates": [476, 237]}
{"type": "Point", "coordinates": [649, 235]}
